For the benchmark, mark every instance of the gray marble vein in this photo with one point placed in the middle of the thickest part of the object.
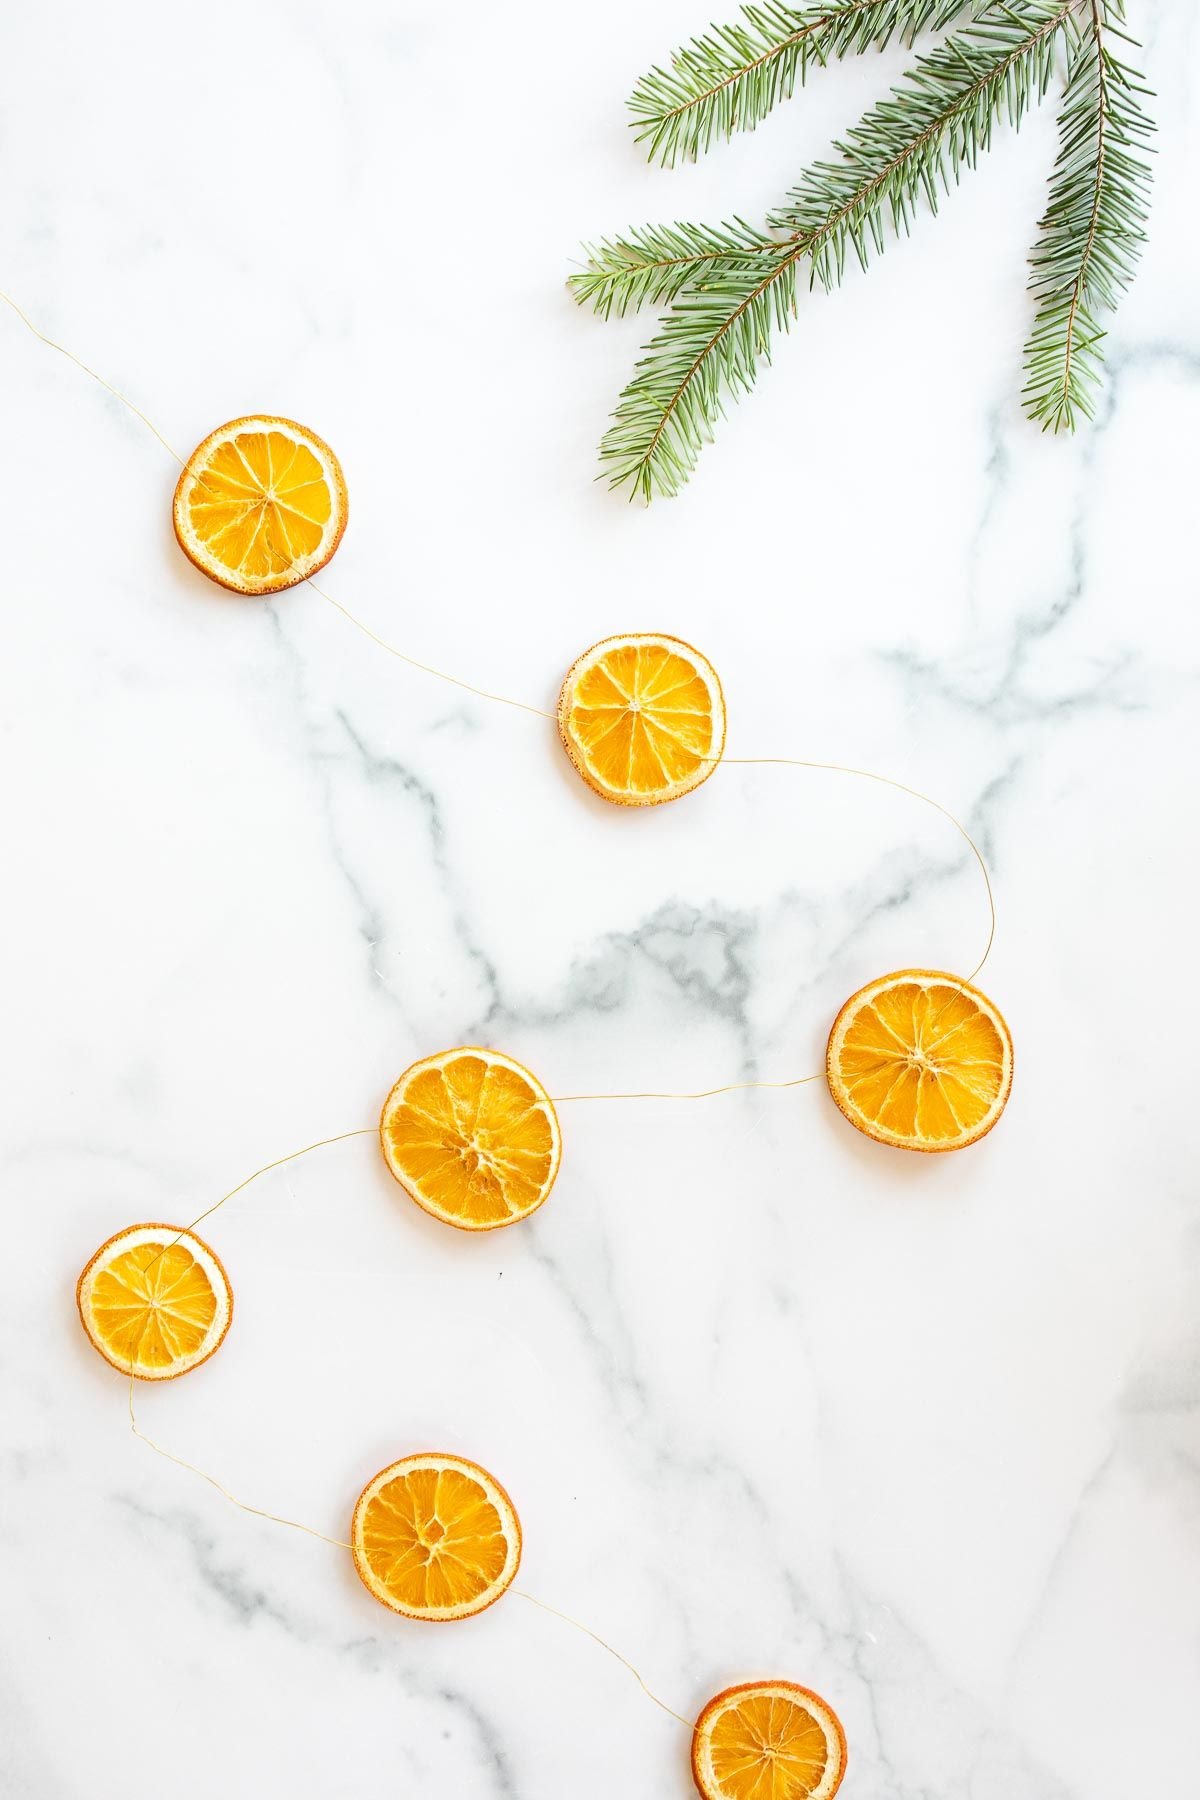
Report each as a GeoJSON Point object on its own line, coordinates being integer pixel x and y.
{"type": "Point", "coordinates": [922, 1433]}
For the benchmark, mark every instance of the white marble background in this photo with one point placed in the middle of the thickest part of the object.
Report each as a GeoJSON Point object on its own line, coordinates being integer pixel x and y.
{"type": "Point", "coordinates": [920, 1433]}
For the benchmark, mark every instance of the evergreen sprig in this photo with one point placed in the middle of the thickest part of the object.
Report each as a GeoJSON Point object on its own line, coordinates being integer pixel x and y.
{"type": "Point", "coordinates": [652, 265]}
{"type": "Point", "coordinates": [731, 79]}
{"type": "Point", "coordinates": [1093, 229]}
{"type": "Point", "coordinates": [729, 289]}
{"type": "Point", "coordinates": [915, 144]}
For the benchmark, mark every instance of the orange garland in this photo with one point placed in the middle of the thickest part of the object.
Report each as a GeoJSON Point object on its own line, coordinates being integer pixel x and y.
{"type": "Point", "coordinates": [917, 1060]}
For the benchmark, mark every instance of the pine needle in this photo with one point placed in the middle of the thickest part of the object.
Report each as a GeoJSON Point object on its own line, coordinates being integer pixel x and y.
{"type": "Point", "coordinates": [907, 149]}
{"type": "Point", "coordinates": [729, 290]}
{"type": "Point", "coordinates": [1092, 232]}
{"type": "Point", "coordinates": [653, 264]}
{"type": "Point", "coordinates": [731, 79]}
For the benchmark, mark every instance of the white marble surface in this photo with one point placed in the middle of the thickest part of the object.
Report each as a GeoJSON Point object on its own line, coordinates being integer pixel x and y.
{"type": "Point", "coordinates": [921, 1433]}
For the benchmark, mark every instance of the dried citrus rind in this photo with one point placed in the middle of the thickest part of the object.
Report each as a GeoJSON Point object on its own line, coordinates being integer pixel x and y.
{"type": "Point", "coordinates": [261, 504]}
{"type": "Point", "coordinates": [435, 1537]}
{"type": "Point", "coordinates": [473, 1137]}
{"type": "Point", "coordinates": [155, 1301]}
{"type": "Point", "coordinates": [642, 717]}
{"type": "Point", "coordinates": [768, 1740]}
{"type": "Point", "coordinates": [920, 1060]}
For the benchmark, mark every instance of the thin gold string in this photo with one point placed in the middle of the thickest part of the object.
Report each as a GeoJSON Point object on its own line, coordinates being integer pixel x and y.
{"type": "Point", "coordinates": [286, 560]}
{"type": "Point", "coordinates": [261, 1512]}
{"type": "Point", "coordinates": [339, 1137]}
{"type": "Point", "coordinates": [796, 762]}
{"type": "Point", "coordinates": [367, 1131]}
{"type": "Point", "coordinates": [53, 344]}
{"type": "Point", "coordinates": [732, 1087]}
{"type": "Point", "coordinates": [604, 1645]}
{"type": "Point", "coordinates": [523, 705]}
{"type": "Point", "coordinates": [425, 668]}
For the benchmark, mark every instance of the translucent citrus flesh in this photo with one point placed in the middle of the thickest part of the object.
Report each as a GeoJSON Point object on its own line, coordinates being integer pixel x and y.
{"type": "Point", "coordinates": [433, 1540]}
{"type": "Point", "coordinates": [641, 717]}
{"type": "Point", "coordinates": [260, 502]}
{"type": "Point", "coordinates": [152, 1307]}
{"type": "Point", "coordinates": [472, 1138]}
{"type": "Point", "coordinates": [923, 1062]}
{"type": "Point", "coordinates": [768, 1747]}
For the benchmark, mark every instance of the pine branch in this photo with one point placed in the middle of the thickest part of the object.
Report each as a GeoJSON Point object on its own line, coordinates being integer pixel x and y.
{"type": "Point", "coordinates": [916, 144]}
{"type": "Point", "coordinates": [653, 265]}
{"type": "Point", "coordinates": [1092, 232]}
{"type": "Point", "coordinates": [708, 344]}
{"type": "Point", "coordinates": [936, 123]}
{"type": "Point", "coordinates": [730, 80]}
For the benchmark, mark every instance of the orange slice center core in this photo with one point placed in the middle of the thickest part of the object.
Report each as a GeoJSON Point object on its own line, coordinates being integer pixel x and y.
{"type": "Point", "coordinates": [260, 503]}
{"type": "Point", "coordinates": [474, 1139]}
{"type": "Point", "coordinates": [433, 1538]}
{"type": "Point", "coordinates": [925, 1061]}
{"type": "Point", "coordinates": [643, 716]}
{"type": "Point", "coordinates": [770, 1748]}
{"type": "Point", "coordinates": [153, 1306]}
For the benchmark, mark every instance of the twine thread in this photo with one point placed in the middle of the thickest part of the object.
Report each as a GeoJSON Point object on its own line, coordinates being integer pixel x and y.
{"type": "Point", "coordinates": [367, 1131]}
{"type": "Point", "coordinates": [524, 705]}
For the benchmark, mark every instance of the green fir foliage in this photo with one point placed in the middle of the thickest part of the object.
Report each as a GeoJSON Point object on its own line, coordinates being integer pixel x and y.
{"type": "Point", "coordinates": [728, 290]}
{"type": "Point", "coordinates": [730, 80]}
{"type": "Point", "coordinates": [1092, 232]}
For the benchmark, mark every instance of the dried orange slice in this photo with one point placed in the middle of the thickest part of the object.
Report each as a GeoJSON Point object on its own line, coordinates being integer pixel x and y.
{"type": "Point", "coordinates": [435, 1537]}
{"type": "Point", "coordinates": [642, 717]}
{"type": "Point", "coordinates": [261, 505]}
{"type": "Point", "coordinates": [473, 1137]}
{"type": "Point", "coordinates": [768, 1740]}
{"type": "Point", "coordinates": [920, 1060]}
{"type": "Point", "coordinates": [155, 1301]}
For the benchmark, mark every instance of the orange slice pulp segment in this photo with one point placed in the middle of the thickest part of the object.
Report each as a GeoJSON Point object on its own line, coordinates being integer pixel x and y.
{"type": "Point", "coordinates": [642, 718]}
{"type": "Point", "coordinates": [473, 1137]}
{"type": "Point", "coordinates": [768, 1740]}
{"type": "Point", "coordinates": [261, 504]}
{"type": "Point", "coordinates": [920, 1060]}
{"type": "Point", "coordinates": [155, 1301]}
{"type": "Point", "coordinates": [435, 1537]}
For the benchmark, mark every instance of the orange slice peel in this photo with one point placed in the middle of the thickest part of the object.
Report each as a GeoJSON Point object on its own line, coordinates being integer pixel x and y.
{"type": "Point", "coordinates": [472, 1137]}
{"type": "Point", "coordinates": [261, 504]}
{"type": "Point", "coordinates": [435, 1537]}
{"type": "Point", "coordinates": [920, 1060]}
{"type": "Point", "coordinates": [768, 1740]}
{"type": "Point", "coordinates": [155, 1301]}
{"type": "Point", "coordinates": [642, 717]}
